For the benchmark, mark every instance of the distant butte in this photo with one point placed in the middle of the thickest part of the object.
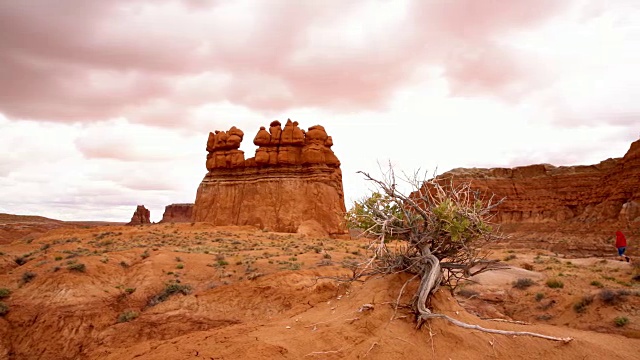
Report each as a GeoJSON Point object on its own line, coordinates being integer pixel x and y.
{"type": "Point", "coordinates": [141, 216]}
{"type": "Point", "coordinates": [294, 178]}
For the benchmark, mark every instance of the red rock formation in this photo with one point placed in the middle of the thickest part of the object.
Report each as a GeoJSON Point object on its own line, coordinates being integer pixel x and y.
{"type": "Point", "coordinates": [177, 213]}
{"type": "Point", "coordinates": [141, 216]}
{"type": "Point", "coordinates": [564, 208]}
{"type": "Point", "coordinates": [294, 177]}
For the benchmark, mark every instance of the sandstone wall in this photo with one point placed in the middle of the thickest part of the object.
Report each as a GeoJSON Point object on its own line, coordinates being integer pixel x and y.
{"type": "Point", "coordinates": [294, 177]}
{"type": "Point", "coordinates": [566, 208]}
{"type": "Point", "coordinates": [177, 213]}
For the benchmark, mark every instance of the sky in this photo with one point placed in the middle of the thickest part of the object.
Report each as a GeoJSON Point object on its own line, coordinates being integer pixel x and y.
{"type": "Point", "coordinates": [108, 104]}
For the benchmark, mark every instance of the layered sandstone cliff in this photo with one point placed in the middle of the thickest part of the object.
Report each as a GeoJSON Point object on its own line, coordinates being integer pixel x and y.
{"type": "Point", "coordinates": [566, 208]}
{"type": "Point", "coordinates": [141, 216]}
{"type": "Point", "coordinates": [177, 213]}
{"type": "Point", "coordinates": [294, 177]}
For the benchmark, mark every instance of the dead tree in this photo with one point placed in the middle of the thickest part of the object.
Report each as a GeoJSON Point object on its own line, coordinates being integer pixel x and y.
{"type": "Point", "coordinates": [443, 230]}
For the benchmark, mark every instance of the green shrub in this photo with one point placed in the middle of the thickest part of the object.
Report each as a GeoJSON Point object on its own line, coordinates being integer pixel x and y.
{"type": "Point", "coordinates": [130, 290]}
{"type": "Point", "coordinates": [621, 321]}
{"type": "Point", "coordinates": [170, 289]}
{"type": "Point", "coordinates": [597, 283]}
{"type": "Point", "coordinates": [4, 292]}
{"type": "Point", "coordinates": [180, 266]}
{"type": "Point", "coordinates": [539, 296]}
{"type": "Point", "coordinates": [79, 267]}
{"type": "Point", "coordinates": [555, 284]}
{"type": "Point", "coordinates": [523, 283]}
{"type": "Point", "coordinates": [4, 308]}
{"type": "Point", "coordinates": [127, 316]}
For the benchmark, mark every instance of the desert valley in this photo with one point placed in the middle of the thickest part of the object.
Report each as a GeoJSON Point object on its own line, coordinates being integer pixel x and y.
{"type": "Point", "coordinates": [259, 267]}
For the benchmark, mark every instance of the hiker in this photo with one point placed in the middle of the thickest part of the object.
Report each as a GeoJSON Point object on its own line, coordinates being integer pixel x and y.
{"type": "Point", "coordinates": [621, 245]}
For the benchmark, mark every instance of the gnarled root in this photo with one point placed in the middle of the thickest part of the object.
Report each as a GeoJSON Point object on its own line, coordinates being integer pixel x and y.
{"type": "Point", "coordinates": [429, 284]}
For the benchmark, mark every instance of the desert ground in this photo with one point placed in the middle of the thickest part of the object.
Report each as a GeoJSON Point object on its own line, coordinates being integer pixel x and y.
{"type": "Point", "coordinates": [191, 291]}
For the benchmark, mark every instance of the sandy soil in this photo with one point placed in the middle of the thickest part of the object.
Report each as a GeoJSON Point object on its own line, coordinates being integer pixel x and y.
{"type": "Point", "coordinates": [178, 291]}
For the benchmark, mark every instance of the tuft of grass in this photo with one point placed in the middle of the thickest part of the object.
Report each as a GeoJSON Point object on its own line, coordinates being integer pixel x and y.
{"type": "Point", "coordinates": [130, 291]}
{"type": "Point", "coordinates": [78, 267]}
{"type": "Point", "coordinates": [127, 316]}
{"type": "Point", "coordinates": [124, 264]}
{"type": "Point", "coordinates": [4, 309]}
{"type": "Point", "coordinates": [555, 284]}
{"type": "Point", "coordinates": [28, 276]}
{"type": "Point", "coordinates": [597, 284]}
{"type": "Point", "coordinates": [539, 296]}
{"type": "Point", "coordinates": [180, 266]}
{"type": "Point", "coordinates": [523, 283]}
{"type": "Point", "coordinates": [169, 290]}
{"type": "Point", "coordinates": [621, 321]}
{"type": "Point", "coordinates": [509, 257]}
{"type": "Point", "coordinates": [145, 254]}
{"type": "Point", "coordinates": [581, 306]}
{"type": "Point", "coordinates": [4, 293]}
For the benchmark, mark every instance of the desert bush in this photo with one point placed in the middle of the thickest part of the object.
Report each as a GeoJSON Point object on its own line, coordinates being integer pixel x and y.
{"type": "Point", "coordinates": [169, 289]}
{"type": "Point", "coordinates": [130, 290]}
{"type": "Point", "coordinates": [21, 260]}
{"type": "Point", "coordinates": [28, 276]}
{"type": "Point", "coordinates": [539, 296]}
{"type": "Point", "coordinates": [127, 316]}
{"type": "Point", "coordinates": [555, 284]}
{"type": "Point", "coordinates": [527, 266]}
{"type": "Point", "coordinates": [523, 283]}
{"type": "Point", "coordinates": [79, 267]}
{"type": "Point", "coordinates": [4, 308]}
{"type": "Point", "coordinates": [597, 283]}
{"type": "Point", "coordinates": [509, 257]}
{"type": "Point", "coordinates": [611, 297]}
{"type": "Point", "coordinates": [621, 321]}
{"type": "Point", "coordinates": [180, 266]}
{"type": "Point", "coordinates": [124, 264]}
{"type": "Point", "coordinates": [581, 306]}
{"type": "Point", "coordinates": [4, 292]}
{"type": "Point", "coordinates": [145, 254]}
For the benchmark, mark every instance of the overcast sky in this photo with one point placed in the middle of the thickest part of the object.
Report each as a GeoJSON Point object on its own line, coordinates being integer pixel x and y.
{"type": "Point", "coordinates": [108, 104]}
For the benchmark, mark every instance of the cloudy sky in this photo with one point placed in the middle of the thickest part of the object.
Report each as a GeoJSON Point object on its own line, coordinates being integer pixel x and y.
{"type": "Point", "coordinates": [108, 104]}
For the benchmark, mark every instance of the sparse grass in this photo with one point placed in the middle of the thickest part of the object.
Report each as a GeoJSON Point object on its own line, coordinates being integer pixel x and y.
{"type": "Point", "coordinates": [4, 309]}
{"type": "Point", "coordinates": [78, 267]}
{"type": "Point", "coordinates": [581, 306]}
{"type": "Point", "coordinates": [129, 291]}
{"type": "Point", "coordinates": [127, 316]}
{"type": "Point", "coordinates": [4, 293]}
{"type": "Point", "coordinates": [27, 277]}
{"type": "Point", "coordinates": [510, 257]}
{"type": "Point", "coordinates": [169, 289]}
{"type": "Point", "coordinates": [555, 284]}
{"type": "Point", "coordinates": [611, 297]}
{"type": "Point", "coordinates": [523, 283]}
{"type": "Point", "coordinates": [621, 321]}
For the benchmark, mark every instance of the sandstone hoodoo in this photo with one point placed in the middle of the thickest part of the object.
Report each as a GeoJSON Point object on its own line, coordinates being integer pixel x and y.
{"type": "Point", "coordinates": [141, 216]}
{"type": "Point", "coordinates": [177, 213]}
{"type": "Point", "coordinates": [564, 208]}
{"type": "Point", "coordinates": [294, 177]}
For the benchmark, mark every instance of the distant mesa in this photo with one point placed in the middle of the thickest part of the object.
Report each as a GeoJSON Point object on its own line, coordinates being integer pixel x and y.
{"type": "Point", "coordinates": [563, 208]}
{"type": "Point", "coordinates": [293, 177]}
{"type": "Point", "coordinates": [177, 213]}
{"type": "Point", "coordinates": [141, 216]}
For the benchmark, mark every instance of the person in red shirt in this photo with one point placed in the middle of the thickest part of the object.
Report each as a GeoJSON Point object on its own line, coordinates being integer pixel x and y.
{"type": "Point", "coordinates": [621, 245]}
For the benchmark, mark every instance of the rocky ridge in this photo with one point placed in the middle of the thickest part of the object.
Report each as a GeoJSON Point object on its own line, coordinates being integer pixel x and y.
{"type": "Point", "coordinates": [563, 208]}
